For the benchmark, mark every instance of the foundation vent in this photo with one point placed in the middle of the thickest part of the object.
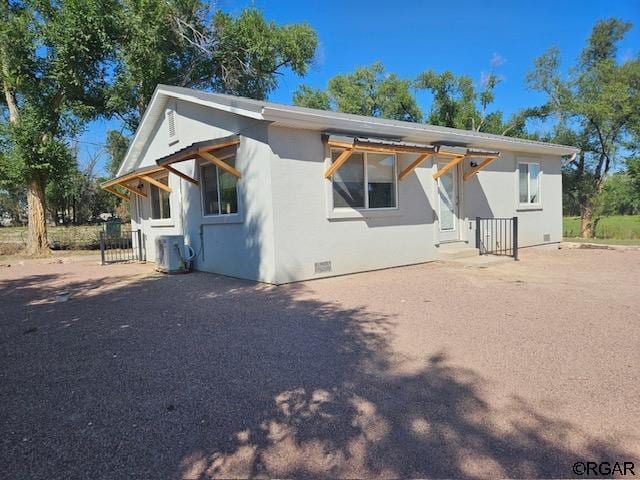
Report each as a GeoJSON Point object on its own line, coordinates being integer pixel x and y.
{"type": "Point", "coordinates": [546, 237]}
{"type": "Point", "coordinates": [322, 267]}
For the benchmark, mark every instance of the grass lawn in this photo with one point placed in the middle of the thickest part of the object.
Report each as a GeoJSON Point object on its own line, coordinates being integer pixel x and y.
{"type": "Point", "coordinates": [617, 229]}
{"type": "Point", "coordinates": [83, 236]}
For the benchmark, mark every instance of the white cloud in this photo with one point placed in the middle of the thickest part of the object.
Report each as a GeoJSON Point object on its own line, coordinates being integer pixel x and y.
{"type": "Point", "coordinates": [497, 60]}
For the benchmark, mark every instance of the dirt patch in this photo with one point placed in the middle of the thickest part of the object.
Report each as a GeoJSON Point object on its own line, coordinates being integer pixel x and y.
{"type": "Point", "coordinates": [517, 370]}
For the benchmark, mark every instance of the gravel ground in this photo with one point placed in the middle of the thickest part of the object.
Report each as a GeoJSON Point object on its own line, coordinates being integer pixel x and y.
{"type": "Point", "coordinates": [517, 370]}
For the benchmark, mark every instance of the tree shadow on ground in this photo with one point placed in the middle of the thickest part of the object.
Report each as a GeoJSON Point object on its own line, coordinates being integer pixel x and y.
{"type": "Point", "coordinates": [200, 376]}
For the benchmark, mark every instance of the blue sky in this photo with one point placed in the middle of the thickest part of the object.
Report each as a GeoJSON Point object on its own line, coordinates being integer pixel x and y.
{"type": "Point", "coordinates": [412, 36]}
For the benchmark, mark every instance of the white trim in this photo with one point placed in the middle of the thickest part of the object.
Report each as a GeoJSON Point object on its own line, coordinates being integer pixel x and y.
{"type": "Point", "coordinates": [216, 218]}
{"type": "Point", "coordinates": [455, 231]}
{"type": "Point", "coordinates": [159, 176]}
{"type": "Point", "coordinates": [524, 206]}
{"type": "Point", "coordinates": [361, 212]}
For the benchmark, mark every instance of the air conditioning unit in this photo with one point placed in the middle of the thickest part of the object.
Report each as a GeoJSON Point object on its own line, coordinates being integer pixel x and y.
{"type": "Point", "coordinates": [170, 253]}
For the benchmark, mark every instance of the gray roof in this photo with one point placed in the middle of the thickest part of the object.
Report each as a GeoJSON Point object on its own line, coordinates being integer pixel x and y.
{"type": "Point", "coordinates": [324, 121]}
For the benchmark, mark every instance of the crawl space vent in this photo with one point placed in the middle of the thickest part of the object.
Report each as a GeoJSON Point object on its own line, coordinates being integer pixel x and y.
{"type": "Point", "coordinates": [546, 237]}
{"type": "Point", "coordinates": [322, 267]}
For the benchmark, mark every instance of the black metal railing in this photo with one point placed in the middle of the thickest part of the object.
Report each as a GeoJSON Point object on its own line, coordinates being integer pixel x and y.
{"type": "Point", "coordinates": [497, 236]}
{"type": "Point", "coordinates": [124, 245]}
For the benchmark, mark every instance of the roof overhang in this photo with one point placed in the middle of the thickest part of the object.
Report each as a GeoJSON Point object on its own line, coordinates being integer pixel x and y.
{"type": "Point", "coordinates": [320, 120]}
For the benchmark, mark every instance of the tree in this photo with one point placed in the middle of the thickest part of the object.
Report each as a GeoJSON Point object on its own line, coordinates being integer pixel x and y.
{"type": "Point", "coordinates": [184, 43]}
{"type": "Point", "coordinates": [597, 107]}
{"type": "Point", "coordinates": [367, 91]}
{"type": "Point", "coordinates": [457, 103]}
{"type": "Point", "coordinates": [53, 60]}
{"type": "Point", "coordinates": [116, 147]}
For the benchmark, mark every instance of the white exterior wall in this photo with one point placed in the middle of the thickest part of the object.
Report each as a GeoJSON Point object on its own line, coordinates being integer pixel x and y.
{"type": "Point", "coordinates": [493, 192]}
{"type": "Point", "coordinates": [305, 233]}
{"type": "Point", "coordinates": [235, 245]}
{"type": "Point", "coordinates": [285, 225]}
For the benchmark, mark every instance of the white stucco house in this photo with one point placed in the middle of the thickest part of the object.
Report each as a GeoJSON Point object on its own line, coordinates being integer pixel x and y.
{"type": "Point", "coordinates": [277, 193]}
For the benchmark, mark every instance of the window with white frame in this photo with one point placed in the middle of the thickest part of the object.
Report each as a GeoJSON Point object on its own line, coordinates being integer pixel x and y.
{"type": "Point", "coordinates": [529, 183]}
{"type": "Point", "coordinates": [160, 204]}
{"type": "Point", "coordinates": [365, 180]}
{"type": "Point", "coordinates": [219, 190]}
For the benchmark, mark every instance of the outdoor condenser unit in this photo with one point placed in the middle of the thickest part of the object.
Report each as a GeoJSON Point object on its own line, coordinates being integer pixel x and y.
{"type": "Point", "coordinates": [169, 254]}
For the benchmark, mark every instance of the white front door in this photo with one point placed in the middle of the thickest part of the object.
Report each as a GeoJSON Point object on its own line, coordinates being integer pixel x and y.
{"type": "Point", "coordinates": [448, 204]}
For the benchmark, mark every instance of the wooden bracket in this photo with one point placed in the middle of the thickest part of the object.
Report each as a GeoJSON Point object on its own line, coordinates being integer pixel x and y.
{"type": "Point", "coordinates": [216, 161]}
{"type": "Point", "coordinates": [155, 182]}
{"type": "Point", "coordinates": [479, 167]}
{"type": "Point", "coordinates": [338, 162]}
{"type": "Point", "coordinates": [133, 190]}
{"type": "Point", "coordinates": [112, 190]}
{"type": "Point", "coordinates": [456, 160]}
{"type": "Point", "coordinates": [421, 158]}
{"type": "Point", "coordinates": [181, 175]}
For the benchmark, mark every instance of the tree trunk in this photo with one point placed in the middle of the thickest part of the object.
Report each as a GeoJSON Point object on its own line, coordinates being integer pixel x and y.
{"type": "Point", "coordinates": [586, 220]}
{"type": "Point", "coordinates": [37, 243]}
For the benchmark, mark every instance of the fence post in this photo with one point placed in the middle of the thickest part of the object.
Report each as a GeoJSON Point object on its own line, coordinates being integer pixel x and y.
{"type": "Point", "coordinates": [515, 238]}
{"type": "Point", "coordinates": [478, 235]}
{"type": "Point", "coordinates": [139, 234]}
{"type": "Point", "coordinates": [102, 247]}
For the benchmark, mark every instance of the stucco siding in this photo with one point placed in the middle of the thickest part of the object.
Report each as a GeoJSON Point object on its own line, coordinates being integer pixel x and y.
{"type": "Point", "coordinates": [304, 235]}
{"type": "Point", "coordinates": [493, 192]}
{"type": "Point", "coordinates": [236, 245]}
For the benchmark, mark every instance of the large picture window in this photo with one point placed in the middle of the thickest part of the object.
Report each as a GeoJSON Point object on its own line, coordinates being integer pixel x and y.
{"type": "Point", "coordinates": [365, 180]}
{"type": "Point", "coordinates": [529, 183]}
{"type": "Point", "coordinates": [160, 204]}
{"type": "Point", "coordinates": [219, 190]}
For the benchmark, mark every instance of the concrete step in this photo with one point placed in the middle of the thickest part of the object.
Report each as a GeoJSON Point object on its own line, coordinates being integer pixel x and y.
{"type": "Point", "coordinates": [452, 251]}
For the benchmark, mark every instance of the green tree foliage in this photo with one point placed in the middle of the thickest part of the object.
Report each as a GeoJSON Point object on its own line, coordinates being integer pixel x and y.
{"type": "Point", "coordinates": [116, 147]}
{"type": "Point", "coordinates": [367, 91]}
{"type": "Point", "coordinates": [184, 43]}
{"type": "Point", "coordinates": [596, 106]}
{"type": "Point", "coordinates": [53, 61]}
{"type": "Point", "coordinates": [458, 103]}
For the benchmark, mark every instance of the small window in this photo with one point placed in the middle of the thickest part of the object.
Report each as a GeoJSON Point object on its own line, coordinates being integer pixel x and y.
{"type": "Point", "coordinates": [160, 204]}
{"type": "Point", "coordinates": [365, 180]}
{"type": "Point", "coordinates": [219, 190]}
{"type": "Point", "coordinates": [529, 183]}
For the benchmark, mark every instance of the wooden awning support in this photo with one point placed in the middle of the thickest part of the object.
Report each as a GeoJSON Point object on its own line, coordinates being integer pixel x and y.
{"type": "Point", "coordinates": [184, 176]}
{"type": "Point", "coordinates": [116, 193]}
{"type": "Point", "coordinates": [202, 149]}
{"type": "Point", "coordinates": [133, 190]}
{"type": "Point", "coordinates": [335, 165]}
{"type": "Point", "coordinates": [421, 158]}
{"type": "Point", "coordinates": [210, 157]}
{"type": "Point", "coordinates": [452, 163]}
{"type": "Point", "coordinates": [487, 161]}
{"type": "Point", "coordinates": [375, 145]}
{"type": "Point", "coordinates": [155, 182]}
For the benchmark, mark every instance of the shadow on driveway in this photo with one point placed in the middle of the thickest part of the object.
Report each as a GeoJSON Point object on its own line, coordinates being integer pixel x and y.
{"type": "Point", "coordinates": [202, 376]}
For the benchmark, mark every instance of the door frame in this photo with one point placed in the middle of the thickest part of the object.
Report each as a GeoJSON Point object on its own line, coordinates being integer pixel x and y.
{"type": "Point", "coordinates": [453, 235]}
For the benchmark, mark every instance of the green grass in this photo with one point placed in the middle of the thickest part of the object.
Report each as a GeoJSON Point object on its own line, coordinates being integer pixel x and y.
{"type": "Point", "coordinates": [603, 241]}
{"type": "Point", "coordinates": [68, 237]}
{"type": "Point", "coordinates": [624, 228]}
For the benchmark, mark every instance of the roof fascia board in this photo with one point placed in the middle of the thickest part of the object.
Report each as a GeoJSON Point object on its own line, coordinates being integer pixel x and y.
{"type": "Point", "coordinates": [420, 132]}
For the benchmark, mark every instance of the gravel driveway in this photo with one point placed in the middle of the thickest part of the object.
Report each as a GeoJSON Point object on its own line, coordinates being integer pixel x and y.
{"type": "Point", "coordinates": [518, 370]}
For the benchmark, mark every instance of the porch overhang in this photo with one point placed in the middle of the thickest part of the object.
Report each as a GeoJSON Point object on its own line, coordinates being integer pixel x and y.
{"type": "Point", "coordinates": [205, 150]}
{"type": "Point", "coordinates": [124, 182]}
{"type": "Point", "coordinates": [376, 145]}
{"type": "Point", "coordinates": [458, 154]}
